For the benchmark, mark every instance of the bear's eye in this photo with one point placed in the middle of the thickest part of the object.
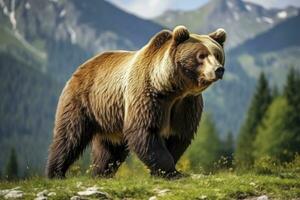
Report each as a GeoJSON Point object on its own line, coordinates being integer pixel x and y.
{"type": "Point", "coordinates": [201, 56]}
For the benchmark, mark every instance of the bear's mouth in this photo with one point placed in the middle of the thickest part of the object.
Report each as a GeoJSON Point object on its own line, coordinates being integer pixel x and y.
{"type": "Point", "coordinates": [203, 82]}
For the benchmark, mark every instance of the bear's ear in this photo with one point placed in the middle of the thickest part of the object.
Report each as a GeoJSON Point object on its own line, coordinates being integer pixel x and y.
{"type": "Point", "coordinates": [160, 38]}
{"type": "Point", "coordinates": [180, 34]}
{"type": "Point", "coordinates": [219, 36]}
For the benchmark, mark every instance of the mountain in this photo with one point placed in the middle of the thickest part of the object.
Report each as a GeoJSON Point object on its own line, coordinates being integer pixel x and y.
{"type": "Point", "coordinates": [41, 44]}
{"type": "Point", "coordinates": [273, 51]}
{"type": "Point", "coordinates": [65, 33]}
{"type": "Point", "coordinates": [242, 20]}
{"type": "Point", "coordinates": [284, 35]}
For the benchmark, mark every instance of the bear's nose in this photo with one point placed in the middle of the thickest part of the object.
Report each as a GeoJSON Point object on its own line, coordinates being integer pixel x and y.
{"type": "Point", "coordinates": [219, 72]}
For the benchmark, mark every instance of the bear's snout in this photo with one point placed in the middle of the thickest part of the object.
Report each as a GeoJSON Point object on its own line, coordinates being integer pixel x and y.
{"type": "Point", "coordinates": [219, 72]}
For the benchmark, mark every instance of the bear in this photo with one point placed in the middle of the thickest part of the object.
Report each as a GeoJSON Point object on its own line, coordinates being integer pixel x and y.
{"type": "Point", "coordinates": [147, 101]}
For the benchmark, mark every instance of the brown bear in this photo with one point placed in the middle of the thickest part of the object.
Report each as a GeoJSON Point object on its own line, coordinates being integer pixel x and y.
{"type": "Point", "coordinates": [147, 101]}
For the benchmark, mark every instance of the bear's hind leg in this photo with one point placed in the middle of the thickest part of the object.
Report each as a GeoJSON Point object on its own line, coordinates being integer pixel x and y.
{"type": "Point", "coordinates": [107, 157]}
{"type": "Point", "coordinates": [72, 133]}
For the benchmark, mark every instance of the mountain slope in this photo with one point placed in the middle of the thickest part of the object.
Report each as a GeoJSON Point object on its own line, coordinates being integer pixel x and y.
{"type": "Point", "coordinates": [68, 32]}
{"type": "Point", "coordinates": [27, 104]}
{"type": "Point", "coordinates": [284, 35]}
{"type": "Point", "coordinates": [242, 20]}
{"type": "Point", "coordinates": [274, 52]}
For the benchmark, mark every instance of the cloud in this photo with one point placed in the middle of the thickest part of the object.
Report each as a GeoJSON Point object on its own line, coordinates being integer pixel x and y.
{"type": "Point", "coordinates": [152, 8]}
{"type": "Point", "coordinates": [276, 3]}
{"type": "Point", "coordinates": [144, 9]}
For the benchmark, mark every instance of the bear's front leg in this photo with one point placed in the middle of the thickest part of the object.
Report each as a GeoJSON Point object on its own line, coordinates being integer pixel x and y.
{"type": "Point", "coordinates": [151, 150]}
{"type": "Point", "coordinates": [142, 123]}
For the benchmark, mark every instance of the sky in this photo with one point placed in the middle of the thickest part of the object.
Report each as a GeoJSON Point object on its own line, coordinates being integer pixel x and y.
{"type": "Point", "coordinates": [152, 8]}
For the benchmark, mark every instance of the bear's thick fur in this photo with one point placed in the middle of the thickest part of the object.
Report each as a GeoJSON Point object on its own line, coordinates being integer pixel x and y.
{"type": "Point", "coordinates": [147, 101]}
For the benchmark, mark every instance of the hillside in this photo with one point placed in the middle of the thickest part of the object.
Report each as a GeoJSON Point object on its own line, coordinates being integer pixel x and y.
{"type": "Point", "coordinates": [27, 106]}
{"type": "Point", "coordinates": [242, 20]}
{"type": "Point", "coordinates": [75, 30]}
{"type": "Point", "coordinates": [282, 36]}
{"type": "Point", "coordinates": [274, 51]}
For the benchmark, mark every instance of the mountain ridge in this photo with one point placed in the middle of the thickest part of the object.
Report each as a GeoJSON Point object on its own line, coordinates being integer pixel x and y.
{"type": "Point", "coordinates": [242, 20]}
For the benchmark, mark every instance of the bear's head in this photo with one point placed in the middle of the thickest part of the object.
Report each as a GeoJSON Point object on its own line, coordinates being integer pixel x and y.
{"type": "Point", "coordinates": [198, 58]}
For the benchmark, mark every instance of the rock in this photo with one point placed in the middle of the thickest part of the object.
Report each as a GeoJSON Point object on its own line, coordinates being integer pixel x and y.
{"type": "Point", "coordinates": [197, 176]}
{"type": "Point", "coordinates": [153, 198]}
{"type": "Point", "coordinates": [50, 194]}
{"type": "Point", "coordinates": [4, 192]}
{"type": "Point", "coordinates": [42, 194]}
{"type": "Point", "coordinates": [14, 194]}
{"type": "Point", "coordinates": [161, 192]}
{"type": "Point", "coordinates": [203, 197]}
{"type": "Point", "coordinates": [41, 198]}
{"type": "Point", "coordinates": [263, 197]}
{"type": "Point", "coordinates": [93, 191]}
{"type": "Point", "coordinates": [76, 198]}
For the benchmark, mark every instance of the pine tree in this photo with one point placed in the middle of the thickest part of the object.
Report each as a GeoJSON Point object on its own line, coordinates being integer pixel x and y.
{"type": "Point", "coordinates": [228, 150]}
{"type": "Point", "coordinates": [275, 91]}
{"type": "Point", "coordinates": [271, 134]}
{"type": "Point", "coordinates": [292, 88]}
{"type": "Point", "coordinates": [12, 166]}
{"type": "Point", "coordinates": [279, 133]}
{"type": "Point", "coordinates": [206, 147]}
{"type": "Point", "coordinates": [292, 120]}
{"type": "Point", "coordinates": [258, 106]}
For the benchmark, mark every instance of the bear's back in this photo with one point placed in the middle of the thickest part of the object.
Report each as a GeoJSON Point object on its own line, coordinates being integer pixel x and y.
{"type": "Point", "coordinates": [107, 62]}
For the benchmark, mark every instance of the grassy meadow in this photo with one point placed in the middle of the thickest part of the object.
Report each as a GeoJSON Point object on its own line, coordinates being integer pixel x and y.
{"type": "Point", "coordinates": [223, 185]}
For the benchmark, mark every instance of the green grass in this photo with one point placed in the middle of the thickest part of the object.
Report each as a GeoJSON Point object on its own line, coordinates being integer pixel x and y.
{"type": "Point", "coordinates": [219, 186]}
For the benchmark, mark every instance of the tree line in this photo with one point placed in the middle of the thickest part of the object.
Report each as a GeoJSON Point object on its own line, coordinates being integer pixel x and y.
{"type": "Point", "coordinates": [270, 131]}
{"type": "Point", "coordinates": [272, 126]}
